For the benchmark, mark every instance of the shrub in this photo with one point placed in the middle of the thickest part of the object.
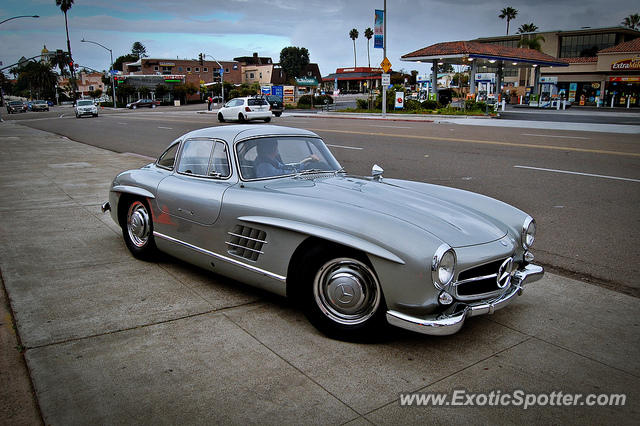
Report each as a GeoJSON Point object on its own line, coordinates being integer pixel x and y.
{"type": "Point", "coordinates": [430, 104]}
{"type": "Point", "coordinates": [412, 105]}
{"type": "Point", "coordinates": [362, 104]}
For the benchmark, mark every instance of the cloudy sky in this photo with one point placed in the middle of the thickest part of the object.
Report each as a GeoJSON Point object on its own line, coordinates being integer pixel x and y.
{"type": "Point", "coordinates": [231, 28]}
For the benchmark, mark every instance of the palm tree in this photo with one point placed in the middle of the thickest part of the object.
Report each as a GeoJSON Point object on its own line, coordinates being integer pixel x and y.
{"type": "Point", "coordinates": [353, 34]}
{"type": "Point", "coordinates": [64, 6]}
{"type": "Point", "coordinates": [632, 21]}
{"type": "Point", "coordinates": [509, 13]}
{"type": "Point", "coordinates": [527, 28]}
{"type": "Point", "coordinates": [368, 33]}
{"type": "Point", "coordinates": [532, 42]}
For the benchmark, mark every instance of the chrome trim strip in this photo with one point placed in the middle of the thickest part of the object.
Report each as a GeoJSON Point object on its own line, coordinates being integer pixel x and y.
{"type": "Point", "coordinates": [221, 257]}
{"type": "Point", "coordinates": [470, 280]}
{"type": "Point", "coordinates": [247, 238]}
{"type": "Point", "coordinates": [243, 247]}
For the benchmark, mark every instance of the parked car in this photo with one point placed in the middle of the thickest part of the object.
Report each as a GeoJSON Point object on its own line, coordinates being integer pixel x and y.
{"type": "Point", "coordinates": [277, 106]}
{"type": "Point", "coordinates": [16, 106]}
{"type": "Point", "coordinates": [85, 107]}
{"type": "Point", "coordinates": [149, 103]}
{"type": "Point", "coordinates": [245, 109]}
{"type": "Point", "coordinates": [271, 206]}
{"type": "Point", "coordinates": [39, 106]}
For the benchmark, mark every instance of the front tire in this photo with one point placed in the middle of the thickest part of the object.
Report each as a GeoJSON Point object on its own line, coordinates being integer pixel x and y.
{"type": "Point", "coordinates": [134, 107]}
{"type": "Point", "coordinates": [137, 230]}
{"type": "Point", "coordinates": [220, 117]}
{"type": "Point", "coordinates": [341, 295]}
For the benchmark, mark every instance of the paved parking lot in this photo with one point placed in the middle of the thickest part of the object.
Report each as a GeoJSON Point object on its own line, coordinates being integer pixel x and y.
{"type": "Point", "coordinates": [109, 339]}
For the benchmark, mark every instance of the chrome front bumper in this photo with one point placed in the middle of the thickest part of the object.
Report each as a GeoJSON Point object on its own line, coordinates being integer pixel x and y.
{"type": "Point", "coordinates": [451, 320]}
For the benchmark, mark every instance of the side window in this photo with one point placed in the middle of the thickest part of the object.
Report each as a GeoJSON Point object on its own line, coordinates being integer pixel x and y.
{"type": "Point", "coordinates": [168, 158]}
{"type": "Point", "coordinates": [219, 161]}
{"type": "Point", "coordinates": [194, 159]}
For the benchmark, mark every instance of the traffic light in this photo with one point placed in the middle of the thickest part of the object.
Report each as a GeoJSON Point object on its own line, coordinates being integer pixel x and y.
{"type": "Point", "coordinates": [201, 59]}
{"type": "Point", "coordinates": [70, 65]}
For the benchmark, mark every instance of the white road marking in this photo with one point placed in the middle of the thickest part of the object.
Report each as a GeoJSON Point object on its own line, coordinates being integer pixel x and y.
{"type": "Point", "coordinates": [167, 128]}
{"type": "Point", "coordinates": [392, 127]}
{"type": "Point", "coordinates": [123, 123]}
{"type": "Point", "coordinates": [345, 147]}
{"type": "Point", "coordinates": [555, 136]}
{"type": "Point", "coordinates": [578, 173]}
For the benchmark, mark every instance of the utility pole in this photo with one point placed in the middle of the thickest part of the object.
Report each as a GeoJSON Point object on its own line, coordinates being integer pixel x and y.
{"type": "Point", "coordinates": [384, 53]}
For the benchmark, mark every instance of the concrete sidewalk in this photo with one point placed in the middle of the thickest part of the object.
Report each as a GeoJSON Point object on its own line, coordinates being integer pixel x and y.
{"type": "Point", "coordinates": [112, 340]}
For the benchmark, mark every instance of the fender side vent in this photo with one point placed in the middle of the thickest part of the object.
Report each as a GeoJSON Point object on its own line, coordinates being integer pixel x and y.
{"type": "Point", "coordinates": [246, 242]}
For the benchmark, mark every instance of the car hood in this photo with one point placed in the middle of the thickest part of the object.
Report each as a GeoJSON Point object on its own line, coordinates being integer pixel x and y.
{"type": "Point", "coordinates": [455, 223]}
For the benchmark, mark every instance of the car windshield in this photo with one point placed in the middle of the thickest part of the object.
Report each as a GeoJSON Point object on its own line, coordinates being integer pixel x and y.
{"type": "Point", "coordinates": [85, 103]}
{"type": "Point", "coordinates": [40, 102]}
{"type": "Point", "coordinates": [15, 103]}
{"type": "Point", "coordinates": [284, 156]}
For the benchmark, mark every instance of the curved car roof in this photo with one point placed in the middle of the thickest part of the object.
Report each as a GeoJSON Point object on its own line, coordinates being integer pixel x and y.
{"type": "Point", "coordinates": [236, 132]}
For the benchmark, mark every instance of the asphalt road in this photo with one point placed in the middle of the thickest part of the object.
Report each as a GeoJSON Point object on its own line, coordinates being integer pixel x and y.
{"type": "Point", "coordinates": [575, 115]}
{"type": "Point", "coordinates": [583, 188]}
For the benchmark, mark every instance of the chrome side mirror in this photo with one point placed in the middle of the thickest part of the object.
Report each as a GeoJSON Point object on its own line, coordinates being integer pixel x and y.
{"type": "Point", "coordinates": [376, 172]}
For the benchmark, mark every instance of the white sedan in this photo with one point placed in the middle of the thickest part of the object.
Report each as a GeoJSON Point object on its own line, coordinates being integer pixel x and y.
{"type": "Point", "coordinates": [245, 109]}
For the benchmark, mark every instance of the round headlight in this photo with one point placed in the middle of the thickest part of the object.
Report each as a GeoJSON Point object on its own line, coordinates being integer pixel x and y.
{"type": "Point", "coordinates": [443, 266]}
{"type": "Point", "coordinates": [528, 233]}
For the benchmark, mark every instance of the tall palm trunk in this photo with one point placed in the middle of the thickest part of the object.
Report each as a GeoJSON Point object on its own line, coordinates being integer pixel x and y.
{"type": "Point", "coordinates": [368, 56]}
{"type": "Point", "coordinates": [74, 84]}
{"type": "Point", "coordinates": [354, 54]}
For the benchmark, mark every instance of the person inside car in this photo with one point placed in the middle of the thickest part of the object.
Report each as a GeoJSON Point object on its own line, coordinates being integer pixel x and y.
{"type": "Point", "coordinates": [269, 163]}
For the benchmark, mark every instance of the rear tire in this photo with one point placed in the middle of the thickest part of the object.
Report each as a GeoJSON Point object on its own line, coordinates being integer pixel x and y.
{"type": "Point", "coordinates": [277, 114]}
{"type": "Point", "coordinates": [220, 117]}
{"type": "Point", "coordinates": [137, 229]}
{"type": "Point", "coordinates": [241, 118]}
{"type": "Point", "coordinates": [268, 119]}
{"type": "Point", "coordinates": [340, 294]}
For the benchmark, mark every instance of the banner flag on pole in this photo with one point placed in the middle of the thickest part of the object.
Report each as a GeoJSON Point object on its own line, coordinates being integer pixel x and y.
{"type": "Point", "coordinates": [378, 31]}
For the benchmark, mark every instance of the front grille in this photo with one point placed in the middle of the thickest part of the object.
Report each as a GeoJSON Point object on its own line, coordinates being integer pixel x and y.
{"type": "Point", "coordinates": [246, 242]}
{"type": "Point", "coordinates": [482, 279]}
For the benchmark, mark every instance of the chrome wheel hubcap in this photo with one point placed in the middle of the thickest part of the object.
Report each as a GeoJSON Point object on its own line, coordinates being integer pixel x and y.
{"type": "Point", "coordinates": [138, 224]}
{"type": "Point", "coordinates": [346, 291]}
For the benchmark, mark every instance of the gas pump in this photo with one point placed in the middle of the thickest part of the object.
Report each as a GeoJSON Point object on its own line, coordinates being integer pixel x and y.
{"type": "Point", "coordinates": [486, 83]}
{"type": "Point", "coordinates": [548, 92]}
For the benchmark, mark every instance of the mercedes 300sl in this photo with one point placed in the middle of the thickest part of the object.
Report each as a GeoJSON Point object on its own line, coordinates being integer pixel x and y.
{"type": "Point", "coordinates": [270, 206]}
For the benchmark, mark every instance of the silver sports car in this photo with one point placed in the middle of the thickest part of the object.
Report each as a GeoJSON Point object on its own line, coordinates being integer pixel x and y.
{"type": "Point", "coordinates": [271, 206]}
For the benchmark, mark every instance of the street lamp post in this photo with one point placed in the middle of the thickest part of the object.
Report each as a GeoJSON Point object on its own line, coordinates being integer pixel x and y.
{"type": "Point", "coordinates": [113, 79]}
{"type": "Point", "coordinates": [221, 77]}
{"type": "Point", "coordinates": [21, 16]}
{"type": "Point", "coordinates": [2, 22]}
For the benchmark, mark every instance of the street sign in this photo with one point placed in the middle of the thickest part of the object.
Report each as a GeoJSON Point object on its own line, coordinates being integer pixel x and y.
{"type": "Point", "coordinates": [386, 65]}
{"type": "Point", "coordinates": [399, 100]}
{"type": "Point", "coordinates": [386, 79]}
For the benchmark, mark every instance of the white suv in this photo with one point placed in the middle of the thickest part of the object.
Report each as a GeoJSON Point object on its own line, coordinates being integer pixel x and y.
{"type": "Point", "coordinates": [86, 107]}
{"type": "Point", "coordinates": [245, 109]}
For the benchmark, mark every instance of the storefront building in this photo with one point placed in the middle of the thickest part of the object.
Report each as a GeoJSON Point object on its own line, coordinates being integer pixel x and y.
{"type": "Point", "coordinates": [183, 71]}
{"type": "Point", "coordinates": [603, 64]}
{"type": "Point", "coordinates": [611, 78]}
{"type": "Point", "coordinates": [353, 80]}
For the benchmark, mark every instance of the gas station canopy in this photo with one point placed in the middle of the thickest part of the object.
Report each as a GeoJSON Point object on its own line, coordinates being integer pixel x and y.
{"type": "Point", "coordinates": [465, 52]}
